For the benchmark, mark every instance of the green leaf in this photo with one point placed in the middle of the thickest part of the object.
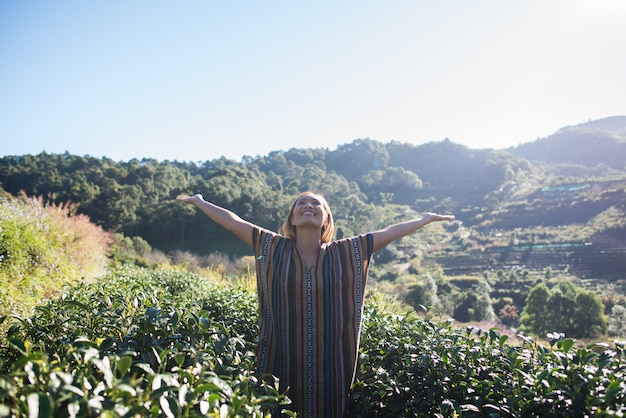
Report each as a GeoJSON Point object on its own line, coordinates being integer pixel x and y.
{"type": "Point", "coordinates": [127, 388]}
{"type": "Point", "coordinates": [169, 406]}
{"type": "Point", "coordinates": [179, 359]}
{"type": "Point", "coordinates": [503, 338]}
{"type": "Point", "coordinates": [38, 406]}
{"type": "Point", "coordinates": [18, 344]}
{"type": "Point", "coordinates": [566, 344]}
{"type": "Point", "coordinates": [74, 390]}
{"type": "Point", "coordinates": [145, 367]}
{"type": "Point", "coordinates": [135, 412]}
{"type": "Point", "coordinates": [123, 365]}
{"type": "Point", "coordinates": [468, 407]}
{"type": "Point", "coordinates": [215, 384]}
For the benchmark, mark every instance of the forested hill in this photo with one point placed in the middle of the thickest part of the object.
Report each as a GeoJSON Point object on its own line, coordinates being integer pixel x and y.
{"type": "Point", "coordinates": [568, 178]}
{"type": "Point", "coordinates": [589, 144]}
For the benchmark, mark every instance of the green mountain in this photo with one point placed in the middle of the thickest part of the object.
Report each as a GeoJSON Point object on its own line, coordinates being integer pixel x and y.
{"type": "Point", "coordinates": [600, 142]}
{"type": "Point", "coordinates": [556, 202]}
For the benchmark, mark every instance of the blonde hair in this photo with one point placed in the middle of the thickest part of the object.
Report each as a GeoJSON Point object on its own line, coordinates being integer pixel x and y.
{"type": "Point", "coordinates": [328, 229]}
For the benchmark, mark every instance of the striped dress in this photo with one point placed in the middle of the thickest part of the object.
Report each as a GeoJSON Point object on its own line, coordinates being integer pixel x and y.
{"type": "Point", "coordinates": [310, 319]}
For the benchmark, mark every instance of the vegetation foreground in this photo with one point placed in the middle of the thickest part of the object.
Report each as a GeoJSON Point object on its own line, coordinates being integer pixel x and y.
{"type": "Point", "coordinates": [140, 342]}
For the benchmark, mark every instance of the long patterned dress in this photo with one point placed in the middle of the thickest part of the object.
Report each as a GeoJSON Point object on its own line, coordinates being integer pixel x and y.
{"type": "Point", "coordinates": [310, 319]}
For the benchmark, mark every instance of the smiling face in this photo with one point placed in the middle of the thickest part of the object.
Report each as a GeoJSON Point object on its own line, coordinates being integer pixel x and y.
{"type": "Point", "coordinates": [309, 210]}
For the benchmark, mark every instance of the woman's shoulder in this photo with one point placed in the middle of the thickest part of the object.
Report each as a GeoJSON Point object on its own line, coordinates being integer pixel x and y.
{"type": "Point", "coordinates": [348, 240]}
{"type": "Point", "coordinates": [262, 234]}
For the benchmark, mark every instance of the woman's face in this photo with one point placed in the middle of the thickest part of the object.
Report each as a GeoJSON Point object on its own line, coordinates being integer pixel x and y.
{"type": "Point", "coordinates": [309, 210]}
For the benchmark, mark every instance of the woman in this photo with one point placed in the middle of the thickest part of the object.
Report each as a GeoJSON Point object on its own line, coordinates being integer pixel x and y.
{"type": "Point", "coordinates": [311, 292]}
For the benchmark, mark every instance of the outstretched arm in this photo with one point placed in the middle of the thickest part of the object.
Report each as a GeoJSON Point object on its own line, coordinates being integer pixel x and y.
{"type": "Point", "coordinates": [399, 230]}
{"type": "Point", "coordinates": [229, 220]}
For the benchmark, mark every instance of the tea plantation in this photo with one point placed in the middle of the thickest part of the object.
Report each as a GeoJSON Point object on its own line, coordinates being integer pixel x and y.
{"type": "Point", "coordinates": [157, 343]}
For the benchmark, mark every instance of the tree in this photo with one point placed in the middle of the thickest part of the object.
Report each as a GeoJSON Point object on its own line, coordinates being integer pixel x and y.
{"type": "Point", "coordinates": [590, 319]}
{"type": "Point", "coordinates": [509, 315]}
{"type": "Point", "coordinates": [423, 293]}
{"type": "Point", "coordinates": [483, 310]}
{"type": "Point", "coordinates": [475, 304]}
{"type": "Point", "coordinates": [560, 311]}
{"type": "Point", "coordinates": [617, 321]}
{"type": "Point", "coordinates": [575, 312]}
{"type": "Point", "coordinates": [533, 319]}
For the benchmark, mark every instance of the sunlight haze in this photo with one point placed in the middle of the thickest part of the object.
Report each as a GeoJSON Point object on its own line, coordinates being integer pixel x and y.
{"type": "Point", "coordinates": [199, 80]}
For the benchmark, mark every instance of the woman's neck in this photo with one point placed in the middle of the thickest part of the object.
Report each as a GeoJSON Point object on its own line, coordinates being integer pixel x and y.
{"type": "Point", "coordinates": [308, 242]}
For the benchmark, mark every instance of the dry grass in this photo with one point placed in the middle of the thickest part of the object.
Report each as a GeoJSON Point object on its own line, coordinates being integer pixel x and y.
{"type": "Point", "coordinates": [44, 247]}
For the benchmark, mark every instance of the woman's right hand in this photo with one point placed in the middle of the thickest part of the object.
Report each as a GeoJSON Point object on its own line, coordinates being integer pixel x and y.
{"type": "Point", "coordinates": [224, 217]}
{"type": "Point", "coordinates": [191, 200]}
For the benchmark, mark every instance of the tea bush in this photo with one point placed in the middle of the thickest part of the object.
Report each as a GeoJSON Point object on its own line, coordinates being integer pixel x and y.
{"type": "Point", "coordinates": [410, 367]}
{"type": "Point", "coordinates": [170, 344]}
{"type": "Point", "coordinates": [137, 343]}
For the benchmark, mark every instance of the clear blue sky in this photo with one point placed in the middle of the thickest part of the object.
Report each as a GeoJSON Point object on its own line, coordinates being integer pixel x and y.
{"type": "Point", "coordinates": [196, 80]}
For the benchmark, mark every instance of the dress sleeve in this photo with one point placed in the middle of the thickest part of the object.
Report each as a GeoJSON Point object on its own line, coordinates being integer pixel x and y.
{"type": "Point", "coordinates": [260, 240]}
{"type": "Point", "coordinates": [362, 246]}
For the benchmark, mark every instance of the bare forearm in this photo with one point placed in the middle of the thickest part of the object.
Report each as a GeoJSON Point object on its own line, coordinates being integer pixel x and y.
{"type": "Point", "coordinates": [223, 217]}
{"type": "Point", "coordinates": [399, 230]}
{"type": "Point", "coordinates": [396, 231]}
{"type": "Point", "coordinates": [218, 214]}
{"type": "Point", "coordinates": [408, 227]}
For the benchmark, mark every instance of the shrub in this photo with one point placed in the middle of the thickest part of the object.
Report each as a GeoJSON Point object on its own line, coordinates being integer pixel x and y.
{"type": "Point", "coordinates": [415, 368]}
{"type": "Point", "coordinates": [159, 343]}
{"type": "Point", "coordinates": [43, 248]}
{"type": "Point", "coordinates": [576, 312]}
{"type": "Point", "coordinates": [137, 343]}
